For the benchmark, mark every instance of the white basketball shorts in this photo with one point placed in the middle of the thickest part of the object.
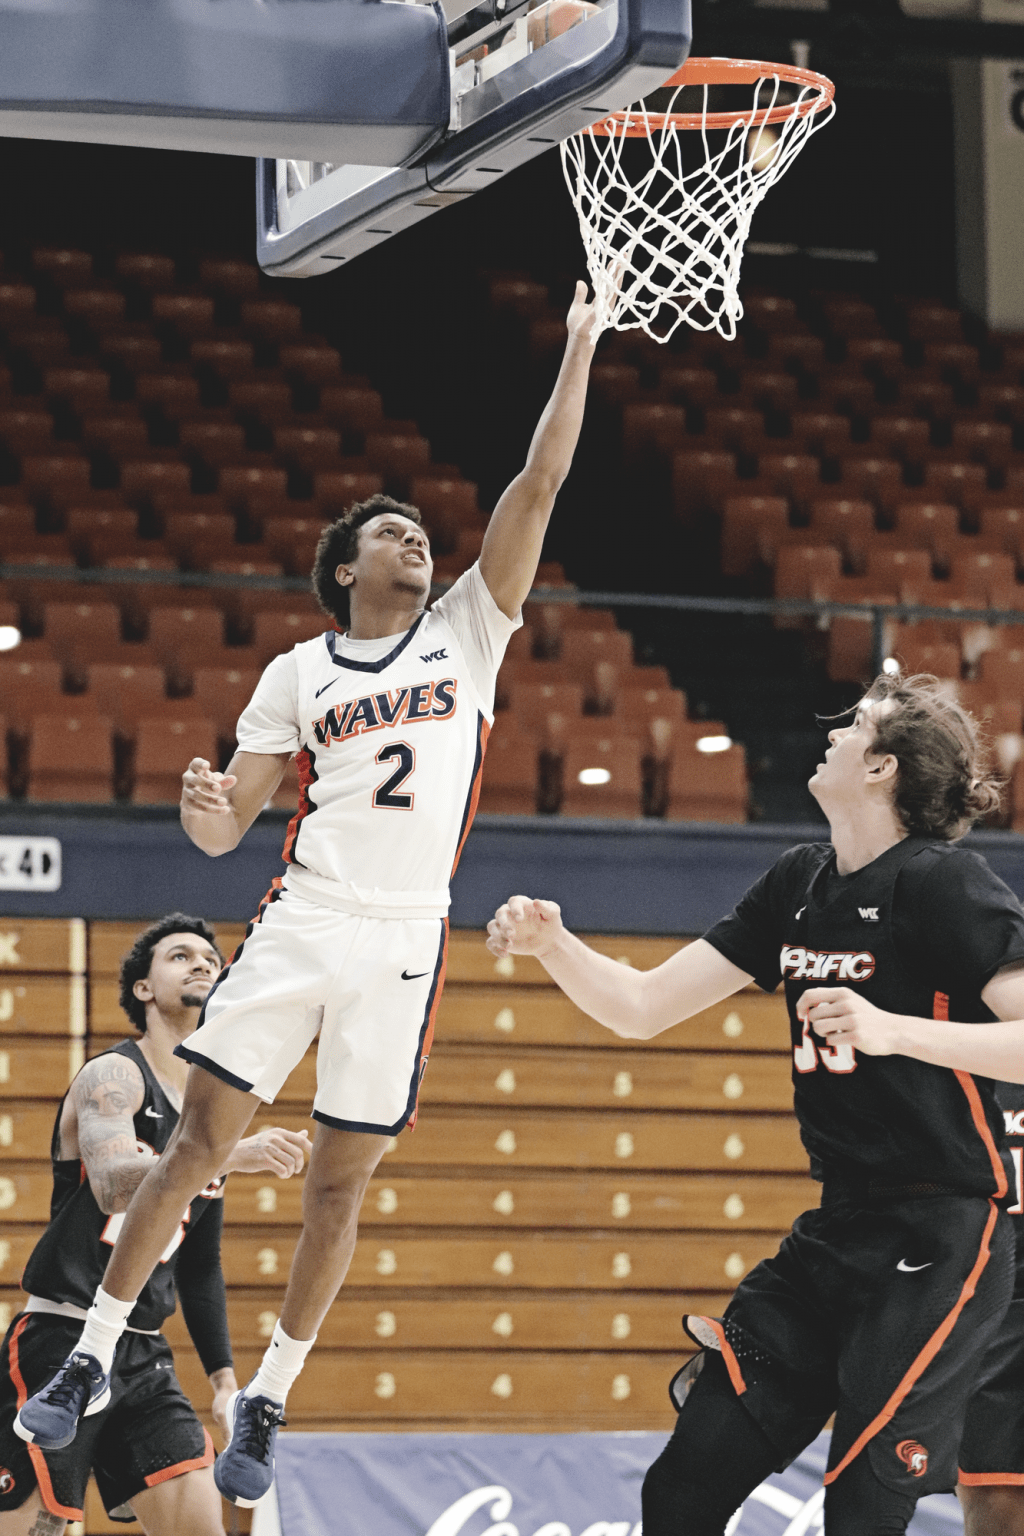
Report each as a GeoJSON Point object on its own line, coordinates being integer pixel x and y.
{"type": "Point", "coordinates": [369, 985]}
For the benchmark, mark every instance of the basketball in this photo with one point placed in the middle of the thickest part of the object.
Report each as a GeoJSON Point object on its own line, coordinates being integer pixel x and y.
{"type": "Point", "coordinates": [554, 17]}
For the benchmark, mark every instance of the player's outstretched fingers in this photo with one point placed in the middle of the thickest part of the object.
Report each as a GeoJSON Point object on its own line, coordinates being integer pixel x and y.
{"type": "Point", "coordinates": [203, 790]}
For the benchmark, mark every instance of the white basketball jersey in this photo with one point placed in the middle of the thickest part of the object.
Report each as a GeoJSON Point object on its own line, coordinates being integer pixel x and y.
{"type": "Point", "coordinates": [390, 760]}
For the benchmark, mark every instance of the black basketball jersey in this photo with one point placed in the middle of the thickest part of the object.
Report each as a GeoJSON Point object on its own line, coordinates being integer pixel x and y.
{"type": "Point", "coordinates": [890, 1120]}
{"type": "Point", "coordinates": [68, 1262]}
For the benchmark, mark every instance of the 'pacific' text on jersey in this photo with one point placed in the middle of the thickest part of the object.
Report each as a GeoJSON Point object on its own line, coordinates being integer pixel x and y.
{"type": "Point", "coordinates": [800, 964]}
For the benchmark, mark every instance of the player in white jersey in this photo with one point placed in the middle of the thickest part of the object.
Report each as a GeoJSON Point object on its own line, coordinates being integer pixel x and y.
{"type": "Point", "coordinates": [389, 723]}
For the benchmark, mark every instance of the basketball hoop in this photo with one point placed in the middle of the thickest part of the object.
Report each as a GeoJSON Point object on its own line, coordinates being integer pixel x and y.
{"type": "Point", "coordinates": [664, 241]}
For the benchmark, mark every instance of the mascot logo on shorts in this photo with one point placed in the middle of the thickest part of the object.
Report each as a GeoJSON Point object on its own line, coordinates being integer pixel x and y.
{"type": "Point", "coordinates": [6, 1481]}
{"type": "Point", "coordinates": [913, 1456]}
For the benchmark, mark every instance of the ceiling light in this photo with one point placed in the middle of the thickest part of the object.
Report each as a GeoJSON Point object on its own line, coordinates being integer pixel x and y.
{"type": "Point", "coordinates": [10, 636]}
{"type": "Point", "coordinates": [891, 667]}
{"type": "Point", "coordinates": [714, 743]}
{"type": "Point", "coordinates": [594, 776]}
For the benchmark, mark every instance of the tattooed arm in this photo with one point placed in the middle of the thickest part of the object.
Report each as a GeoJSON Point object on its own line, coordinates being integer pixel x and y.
{"type": "Point", "coordinates": [97, 1126]}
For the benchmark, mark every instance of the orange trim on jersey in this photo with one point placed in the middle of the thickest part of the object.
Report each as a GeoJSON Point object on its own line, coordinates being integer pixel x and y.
{"type": "Point", "coordinates": [940, 1010]}
{"type": "Point", "coordinates": [927, 1354]}
{"type": "Point", "coordinates": [197, 1462]}
{"type": "Point", "coordinates": [429, 1035]}
{"type": "Point", "coordinates": [991, 1479]}
{"type": "Point", "coordinates": [474, 793]}
{"type": "Point", "coordinates": [732, 1365]}
{"type": "Point", "coordinates": [304, 763]}
{"type": "Point", "coordinates": [39, 1466]}
{"type": "Point", "coordinates": [981, 1125]}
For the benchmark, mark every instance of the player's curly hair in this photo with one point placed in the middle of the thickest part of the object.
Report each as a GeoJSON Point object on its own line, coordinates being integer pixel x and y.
{"type": "Point", "coordinates": [944, 783]}
{"type": "Point", "coordinates": [338, 545]}
{"type": "Point", "coordinates": [137, 962]}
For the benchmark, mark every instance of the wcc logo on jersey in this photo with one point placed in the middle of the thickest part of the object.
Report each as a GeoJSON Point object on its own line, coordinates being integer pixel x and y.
{"type": "Point", "coordinates": [800, 964]}
{"type": "Point", "coordinates": [396, 706]}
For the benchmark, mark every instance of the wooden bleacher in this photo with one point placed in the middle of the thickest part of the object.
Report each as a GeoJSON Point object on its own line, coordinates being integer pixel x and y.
{"type": "Point", "coordinates": [526, 1253]}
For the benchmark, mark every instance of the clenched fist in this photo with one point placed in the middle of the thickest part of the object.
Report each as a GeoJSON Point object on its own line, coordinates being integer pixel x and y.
{"type": "Point", "coordinates": [525, 927]}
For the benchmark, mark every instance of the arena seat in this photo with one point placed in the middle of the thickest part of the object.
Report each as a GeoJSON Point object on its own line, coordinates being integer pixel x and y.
{"type": "Point", "coordinates": [308, 448]}
{"type": "Point", "coordinates": [354, 406]}
{"type": "Point", "coordinates": [81, 632]}
{"type": "Point", "coordinates": [618, 795]}
{"type": "Point", "coordinates": [704, 786]}
{"type": "Point", "coordinates": [905, 437]}
{"type": "Point", "coordinates": [311, 361]}
{"type": "Point", "coordinates": [221, 694]}
{"type": "Point", "coordinates": [144, 482]}
{"type": "Point", "coordinates": [132, 353]}
{"type": "Point", "coordinates": [225, 274]}
{"type": "Point", "coordinates": [889, 569]}
{"type": "Point", "coordinates": [797, 349]}
{"type": "Point", "coordinates": [1003, 525]}
{"type": "Point", "coordinates": [987, 442]}
{"type": "Point", "coordinates": [843, 387]}
{"type": "Point", "coordinates": [769, 387]}
{"type": "Point", "coordinates": [27, 685]}
{"type": "Point", "coordinates": [849, 525]}
{"type": "Point", "coordinates": [144, 270]}
{"type": "Point", "coordinates": [982, 571]}
{"type": "Point", "coordinates": [753, 527]}
{"type": "Point", "coordinates": [184, 638]}
{"type": "Point", "coordinates": [961, 483]}
{"type": "Point", "coordinates": [877, 356]}
{"type": "Point", "coordinates": [121, 436]}
{"type": "Point", "coordinates": [190, 314]}
{"type": "Point", "coordinates": [820, 432]}
{"type": "Point", "coordinates": [86, 389]}
{"type": "Point", "coordinates": [732, 426]}
{"type": "Point", "coordinates": [164, 747]}
{"type": "Point", "coordinates": [176, 394]}
{"type": "Point", "coordinates": [70, 756]}
{"type": "Point", "coordinates": [238, 484]}
{"type": "Point", "coordinates": [124, 692]}
{"type": "Point", "coordinates": [334, 491]}
{"type": "Point", "coordinates": [62, 265]}
{"type": "Point", "coordinates": [26, 428]}
{"type": "Point", "coordinates": [398, 455]}
{"type": "Point", "coordinates": [652, 427]}
{"type": "Point", "coordinates": [56, 478]}
{"type": "Point", "coordinates": [215, 443]}
{"type": "Point", "coordinates": [275, 633]}
{"type": "Point", "coordinates": [100, 308]}
{"type": "Point", "coordinates": [273, 319]}
{"type": "Point", "coordinates": [511, 767]}
{"type": "Point", "coordinates": [702, 478]}
{"type": "Point", "coordinates": [224, 357]}
{"type": "Point", "coordinates": [806, 571]}
{"type": "Point", "coordinates": [942, 660]}
{"type": "Point", "coordinates": [875, 479]}
{"type": "Point", "coordinates": [197, 538]}
{"type": "Point", "coordinates": [928, 525]}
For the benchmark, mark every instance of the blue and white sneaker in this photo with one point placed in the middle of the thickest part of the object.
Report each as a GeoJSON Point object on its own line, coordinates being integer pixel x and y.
{"type": "Point", "coordinates": [50, 1418]}
{"type": "Point", "coordinates": [244, 1471]}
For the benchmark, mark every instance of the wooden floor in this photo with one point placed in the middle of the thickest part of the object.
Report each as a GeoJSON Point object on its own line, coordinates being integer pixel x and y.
{"type": "Point", "coordinates": [525, 1255]}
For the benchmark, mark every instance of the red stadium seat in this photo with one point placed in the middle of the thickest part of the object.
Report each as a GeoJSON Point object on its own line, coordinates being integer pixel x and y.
{"type": "Point", "coordinates": [239, 484]}
{"type": "Point", "coordinates": [707, 786]}
{"type": "Point", "coordinates": [124, 692]}
{"type": "Point", "coordinates": [176, 394]}
{"type": "Point", "coordinates": [689, 385]}
{"type": "Point", "coordinates": [876, 355]}
{"type": "Point", "coordinates": [228, 359]}
{"type": "Point", "coordinates": [652, 427]}
{"type": "Point", "coordinates": [185, 638]}
{"type": "Point", "coordinates": [941, 660]}
{"type": "Point", "coordinates": [806, 571]}
{"type": "Point", "coordinates": [26, 427]}
{"type": "Point", "coordinates": [29, 685]}
{"type": "Point", "coordinates": [734, 427]}
{"type": "Point", "coordinates": [987, 442]}
{"type": "Point", "coordinates": [850, 525]}
{"type": "Point", "coordinates": [1004, 526]}
{"type": "Point", "coordinates": [753, 527]}
{"type": "Point", "coordinates": [275, 319]}
{"type": "Point", "coordinates": [147, 482]}
{"type": "Point", "coordinates": [275, 633]}
{"type": "Point", "coordinates": [123, 436]}
{"type": "Point", "coordinates": [191, 314]}
{"type": "Point", "coordinates": [310, 448]}
{"type": "Point", "coordinates": [214, 442]}
{"type": "Point", "coordinates": [796, 475]}
{"type": "Point", "coordinates": [961, 483]}
{"type": "Point", "coordinates": [510, 782]}
{"type": "Point", "coordinates": [70, 757]}
{"type": "Point", "coordinates": [845, 388]}
{"type": "Point", "coordinates": [398, 456]}
{"type": "Point", "coordinates": [983, 571]}
{"type": "Point", "coordinates": [144, 270]}
{"type": "Point", "coordinates": [87, 389]}
{"type": "Point", "coordinates": [769, 387]}
{"type": "Point", "coordinates": [225, 274]}
{"type": "Point", "coordinates": [928, 525]}
{"type": "Point", "coordinates": [891, 569]}
{"type": "Point", "coordinates": [905, 437]}
{"type": "Point", "coordinates": [353, 406]}
{"type": "Point", "coordinates": [81, 632]}
{"type": "Point", "coordinates": [64, 266]}
{"type": "Point", "coordinates": [314, 362]}
{"type": "Point", "coordinates": [334, 491]}
{"type": "Point", "coordinates": [221, 694]}
{"type": "Point", "coordinates": [820, 432]}
{"type": "Point", "coordinates": [57, 478]}
{"type": "Point", "coordinates": [878, 480]}
{"type": "Point", "coordinates": [198, 538]}
{"type": "Point", "coordinates": [100, 308]}
{"type": "Point", "coordinates": [602, 777]}
{"type": "Point", "coordinates": [163, 750]}
{"type": "Point", "coordinates": [132, 352]}
{"type": "Point", "coordinates": [702, 478]}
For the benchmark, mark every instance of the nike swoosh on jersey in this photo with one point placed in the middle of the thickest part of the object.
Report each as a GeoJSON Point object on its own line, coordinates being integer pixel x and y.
{"type": "Point", "coordinates": [910, 1269]}
{"type": "Point", "coordinates": [415, 976]}
{"type": "Point", "coordinates": [152, 1113]}
{"type": "Point", "coordinates": [325, 687]}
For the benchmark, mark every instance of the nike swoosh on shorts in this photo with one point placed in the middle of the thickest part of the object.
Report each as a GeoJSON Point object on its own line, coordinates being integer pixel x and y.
{"type": "Point", "coordinates": [910, 1269]}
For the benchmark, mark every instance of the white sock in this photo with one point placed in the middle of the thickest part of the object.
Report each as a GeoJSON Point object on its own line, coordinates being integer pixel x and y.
{"type": "Point", "coordinates": [104, 1324]}
{"type": "Point", "coordinates": [281, 1364]}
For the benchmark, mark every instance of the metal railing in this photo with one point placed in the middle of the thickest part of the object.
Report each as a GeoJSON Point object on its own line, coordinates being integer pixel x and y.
{"type": "Point", "coordinates": [878, 614]}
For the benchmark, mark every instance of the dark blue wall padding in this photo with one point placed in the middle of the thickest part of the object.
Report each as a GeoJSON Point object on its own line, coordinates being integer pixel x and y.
{"type": "Point", "coordinates": [351, 81]}
{"type": "Point", "coordinates": [610, 876]}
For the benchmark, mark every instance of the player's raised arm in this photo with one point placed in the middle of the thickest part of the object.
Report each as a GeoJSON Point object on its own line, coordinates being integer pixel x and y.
{"type": "Point", "coordinates": [515, 533]}
{"type": "Point", "coordinates": [635, 1004]}
{"type": "Point", "coordinates": [217, 809]}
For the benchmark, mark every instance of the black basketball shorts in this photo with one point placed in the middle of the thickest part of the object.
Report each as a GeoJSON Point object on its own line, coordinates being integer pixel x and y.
{"type": "Point", "coordinates": [992, 1448]}
{"type": "Point", "coordinates": [147, 1434]}
{"type": "Point", "coordinates": [881, 1313]}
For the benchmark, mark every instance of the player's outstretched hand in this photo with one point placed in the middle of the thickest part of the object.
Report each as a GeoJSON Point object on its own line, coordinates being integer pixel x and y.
{"type": "Point", "coordinates": [582, 314]}
{"type": "Point", "coordinates": [525, 927]}
{"type": "Point", "coordinates": [204, 790]}
{"type": "Point", "coordinates": [271, 1151]}
{"type": "Point", "coordinates": [840, 1016]}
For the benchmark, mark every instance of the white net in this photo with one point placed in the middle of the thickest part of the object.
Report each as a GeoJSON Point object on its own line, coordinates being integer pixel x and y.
{"type": "Point", "coordinates": [665, 244]}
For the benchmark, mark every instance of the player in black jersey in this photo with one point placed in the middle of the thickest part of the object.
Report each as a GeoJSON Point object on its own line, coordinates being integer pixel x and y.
{"type": "Point", "coordinates": [880, 1305]}
{"type": "Point", "coordinates": [148, 1450]}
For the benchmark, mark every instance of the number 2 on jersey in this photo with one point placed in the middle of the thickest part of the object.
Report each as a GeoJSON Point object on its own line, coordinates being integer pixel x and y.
{"type": "Point", "coordinates": [837, 1058]}
{"type": "Point", "coordinates": [385, 797]}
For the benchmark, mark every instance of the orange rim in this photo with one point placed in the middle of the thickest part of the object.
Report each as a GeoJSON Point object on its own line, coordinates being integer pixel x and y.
{"type": "Point", "coordinates": [632, 125]}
